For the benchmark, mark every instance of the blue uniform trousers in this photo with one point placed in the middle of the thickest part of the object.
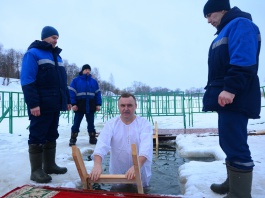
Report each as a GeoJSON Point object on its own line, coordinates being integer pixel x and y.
{"type": "Point", "coordinates": [233, 137]}
{"type": "Point", "coordinates": [78, 119]}
{"type": "Point", "coordinates": [43, 128]}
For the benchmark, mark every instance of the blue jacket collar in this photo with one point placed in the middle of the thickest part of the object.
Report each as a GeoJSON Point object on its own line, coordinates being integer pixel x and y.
{"type": "Point", "coordinates": [44, 46]}
{"type": "Point", "coordinates": [235, 12]}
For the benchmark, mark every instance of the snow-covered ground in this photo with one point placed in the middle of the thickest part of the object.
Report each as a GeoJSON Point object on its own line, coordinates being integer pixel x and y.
{"type": "Point", "coordinates": [196, 177]}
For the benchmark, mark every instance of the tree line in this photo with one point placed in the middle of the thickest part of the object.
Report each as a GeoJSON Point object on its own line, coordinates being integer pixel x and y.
{"type": "Point", "coordinates": [10, 65]}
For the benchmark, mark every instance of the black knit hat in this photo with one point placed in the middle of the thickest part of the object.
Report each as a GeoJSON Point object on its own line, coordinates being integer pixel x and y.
{"type": "Point", "coordinates": [215, 6]}
{"type": "Point", "coordinates": [86, 66]}
{"type": "Point", "coordinates": [48, 31]}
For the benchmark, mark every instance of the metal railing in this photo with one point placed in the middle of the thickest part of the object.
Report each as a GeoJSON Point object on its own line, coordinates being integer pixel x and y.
{"type": "Point", "coordinates": [12, 105]}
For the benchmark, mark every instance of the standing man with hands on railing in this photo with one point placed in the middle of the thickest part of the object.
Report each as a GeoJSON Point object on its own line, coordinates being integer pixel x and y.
{"type": "Point", "coordinates": [44, 84]}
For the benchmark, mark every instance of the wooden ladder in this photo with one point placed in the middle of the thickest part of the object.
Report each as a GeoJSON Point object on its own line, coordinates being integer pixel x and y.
{"type": "Point", "coordinates": [108, 178]}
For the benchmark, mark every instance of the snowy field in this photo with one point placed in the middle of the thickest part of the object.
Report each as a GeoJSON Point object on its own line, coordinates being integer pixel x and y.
{"type": "Point", "coordinates": [195, 177]}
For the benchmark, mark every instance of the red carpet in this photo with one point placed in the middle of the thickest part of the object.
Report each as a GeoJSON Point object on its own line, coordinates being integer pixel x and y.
{"type": "Point", "coordinates": [48, 192]}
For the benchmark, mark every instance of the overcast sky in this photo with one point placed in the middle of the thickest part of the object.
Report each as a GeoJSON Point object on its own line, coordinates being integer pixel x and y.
{"type": "Point", "coordinates": [161, 43]}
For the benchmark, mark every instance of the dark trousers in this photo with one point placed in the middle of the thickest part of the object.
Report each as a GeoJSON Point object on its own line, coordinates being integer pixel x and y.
{"type": "Point", "coordinates": [233, 137]}
{"type": "Point", "coordinates": [43, 128]}
{"type": "Point", "coordinates": [78, 119]}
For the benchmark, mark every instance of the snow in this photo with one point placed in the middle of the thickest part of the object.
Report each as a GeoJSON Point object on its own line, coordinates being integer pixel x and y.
{"type": "Point", "coordinates": [196, 177]}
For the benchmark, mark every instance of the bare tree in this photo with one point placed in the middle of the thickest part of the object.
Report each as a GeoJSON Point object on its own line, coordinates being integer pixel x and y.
{"type": "Point", "coordinates": [17, 63]}
{"type": "Point", "coordinates": [10, 62]}
{"type": "Point", "coordinates": [141, 88]}
{"type": "Point", "coordinates": [160, 90]}
{"type": "Point", "coordinates": [177, 90]}
{"type": "Point", "coordinates": [95, 74]}
{"type": "Point", "coordinates": [116, 91]}
{"type": "Point", "coordinates": [2, 61]}
{"type": "Point", "coordinates": [128, 89]}
{"type": "Point", "coordinates": [111, 80]}
{"type": "Point", "coordinates": [105, 88]}
{"type": "Point", "coordinates": [7, 67]}
{"type": "Point", "coordinates": [194, 90]}
{"type": "Point", "coordinates": [72, 71]}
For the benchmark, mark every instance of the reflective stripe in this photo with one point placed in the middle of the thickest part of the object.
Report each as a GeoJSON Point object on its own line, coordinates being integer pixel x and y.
{"type": "Point", "coordinates": [91, 94]}
{"type": "Point", "coordinates": [44, 61]}
{"type": "Point", "coordinates": [82, 93]}
{"type": "Point", "coordinates": [225, 41]}
{"type": "Point", "coordinates": [220, 42]}
{"type": "Point", "coordinates": [85, 93]}
{"type": "Point", "coordinates": [97, 91]}
{"type": "Point", "coordinates": [71, 88]}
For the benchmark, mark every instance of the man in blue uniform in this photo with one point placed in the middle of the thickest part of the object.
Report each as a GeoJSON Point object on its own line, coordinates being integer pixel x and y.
{"type": "Point", "coordinates": [86, 100]}
{"type": "Point", "coordinates": [233, 90]}
{"type": "Point", "coordinates": [44, 84]}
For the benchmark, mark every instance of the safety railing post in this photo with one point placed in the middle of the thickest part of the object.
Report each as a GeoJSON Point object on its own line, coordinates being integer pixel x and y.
{"type": "Point", "coordinates": [10, 112]}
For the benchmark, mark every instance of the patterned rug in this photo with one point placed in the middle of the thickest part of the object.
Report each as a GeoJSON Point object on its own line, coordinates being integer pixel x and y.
{"type": "Point", "coordinates": [28, 191]}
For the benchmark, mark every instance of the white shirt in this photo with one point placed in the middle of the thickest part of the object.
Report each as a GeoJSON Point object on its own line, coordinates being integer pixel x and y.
{"type": "Point", "coordinates": [117, 138]}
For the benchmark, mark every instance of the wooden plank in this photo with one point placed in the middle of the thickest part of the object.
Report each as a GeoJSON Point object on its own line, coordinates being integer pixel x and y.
{"type": "Point", "coordinates": [80, 165]}
{"type": "Point", "coordinates": [137, 169]}
{"type": "Point", "coordinates": [112, 176]}
{"type": "Point", "coordinates": [260, 132]}
{"type": "Point", "coordinates": [155, 136]}
{"type": "Point", "coordinates": [115, 181]}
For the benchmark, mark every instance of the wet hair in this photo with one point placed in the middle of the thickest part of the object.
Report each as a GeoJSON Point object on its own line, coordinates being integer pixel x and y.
{"type": "Point", "coordinates": [127, 95]}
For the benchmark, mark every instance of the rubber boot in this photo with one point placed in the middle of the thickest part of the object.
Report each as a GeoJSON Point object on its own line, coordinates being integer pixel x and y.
{"type": "Point", "coordinates": [240, 182]}
{"type": "Point", "coordinates": [73, 138]}
{"type": "Point", "coordinates": [35, 158]}
{"type": "Point", "coordinates": [49, 165]}
{"type": "Point", "coordinates": [221, 188]}
{"type": "Point", "coordinates": [92, 138]}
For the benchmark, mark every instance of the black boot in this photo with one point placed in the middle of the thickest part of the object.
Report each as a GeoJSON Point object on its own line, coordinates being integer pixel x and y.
{"type": "Point", "coordinates": [49, 165]}
{"type": "Point", "coordinates": [240, 183]}
{"type": "Point", "coordinates": [221, 188]}
{"type": "Point", "coordinates": [35, 157]}
{"type": "Point", "coordinates": [92, 138]}
{"type": "Point", "coordinates": [73, 138]}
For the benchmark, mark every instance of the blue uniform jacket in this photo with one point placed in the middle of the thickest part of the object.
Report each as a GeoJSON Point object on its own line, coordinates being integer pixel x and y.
{"type": "Point", "coordinates": [44, 79]}
{"type": "Point", "coordinates": [233, 65]}
{"type": "Point", "coordinates": [85, 93]}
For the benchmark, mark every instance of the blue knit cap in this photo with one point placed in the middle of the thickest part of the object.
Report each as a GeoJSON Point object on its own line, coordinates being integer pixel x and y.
{"type": "Point", "coordinates": [48, 31]}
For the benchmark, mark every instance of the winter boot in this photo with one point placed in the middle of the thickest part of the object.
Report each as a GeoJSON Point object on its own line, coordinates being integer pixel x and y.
{"type": "Point", "coordinates": [49, 165]}
{"type": "Point", "coordinates": [73, 138]}
{"type": "Point", "coordinates": [35, 158]}
{"type": "Point", "coordinates": [92, 139]}
{"type": "Point", "coordinates": [240, 182]}
{"type": "Point", "coordinates": [221, 188]}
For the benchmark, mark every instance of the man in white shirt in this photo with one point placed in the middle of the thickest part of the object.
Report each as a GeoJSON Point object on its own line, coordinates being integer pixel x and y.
{"type": "Point", "coordinates": [117, 136]}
